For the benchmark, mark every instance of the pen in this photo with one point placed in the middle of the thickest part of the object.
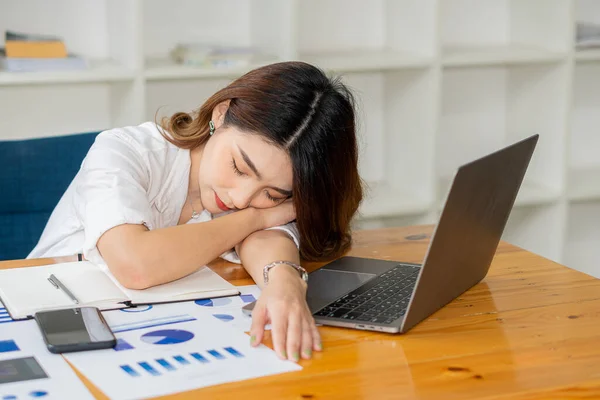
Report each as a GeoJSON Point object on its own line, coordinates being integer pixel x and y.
{"type": "Point", "coordinates": [58, 284]}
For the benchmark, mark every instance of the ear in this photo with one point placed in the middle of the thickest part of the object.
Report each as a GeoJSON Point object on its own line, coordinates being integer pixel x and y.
{"type": "Point", "coordinates": [218, 114]}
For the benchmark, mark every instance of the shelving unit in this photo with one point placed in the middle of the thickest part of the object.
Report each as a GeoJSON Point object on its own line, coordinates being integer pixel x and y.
{"type": "Point", "coordinates": [438, 83]}
{"type": "Point", "coordinates": [98, 72]}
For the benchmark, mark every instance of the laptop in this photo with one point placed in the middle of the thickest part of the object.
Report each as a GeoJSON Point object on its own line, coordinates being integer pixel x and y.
{"type": "Point", "coordinates": [392, 296]}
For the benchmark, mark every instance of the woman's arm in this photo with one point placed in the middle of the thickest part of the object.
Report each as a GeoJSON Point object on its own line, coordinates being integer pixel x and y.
{"type": "Point", "coordinates": [283, 299]}
{"type": "Point", "coordinates": [141, 258]}
{"type": "Point", "coordinates": [263, 247]}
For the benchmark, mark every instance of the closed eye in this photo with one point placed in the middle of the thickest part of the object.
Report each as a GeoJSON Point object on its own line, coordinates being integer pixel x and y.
{"type": "Point", "coordinates": [236, 169]}
{"type": "Point", "coordinates": [273, 199]}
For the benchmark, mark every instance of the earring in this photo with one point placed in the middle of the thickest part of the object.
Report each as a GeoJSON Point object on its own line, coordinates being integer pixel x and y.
{"type": "Point", "coordinates": [211, 126]}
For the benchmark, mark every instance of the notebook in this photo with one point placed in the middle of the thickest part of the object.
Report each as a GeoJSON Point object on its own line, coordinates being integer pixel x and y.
{"type": "Point", "coordinates": [24, 291]}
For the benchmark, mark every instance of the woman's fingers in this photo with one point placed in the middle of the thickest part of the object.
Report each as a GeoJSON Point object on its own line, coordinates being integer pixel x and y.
{"type": "Point", "coordinates": [279, 328]}
{"type": "Point", "coordinates": [259, 320]}
{"type": "Point", "coordinates": [294, 333]}
{"type": "Point", "coordinates": [294, 336]}
{"type": "Point", "coordinates": [307, 339]}
{"type": "Point", "coordinates": [316, 336]}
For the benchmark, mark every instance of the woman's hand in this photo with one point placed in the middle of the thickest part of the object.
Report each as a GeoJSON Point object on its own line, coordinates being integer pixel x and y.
{"type": "Point", "coordinates": [282, 303]}
{"type": "Point", "coordinates": [281, 214]}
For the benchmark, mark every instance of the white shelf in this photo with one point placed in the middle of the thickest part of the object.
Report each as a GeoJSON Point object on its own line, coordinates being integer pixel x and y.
{"type": "Point", "coordinates": [459, 56]}
{"type": "Point", "coordinates": [164, 69]}
{"type": "Point", "coordinates": [534, 194]}
{"type": "Point", "coordinates": [584, 184]}
{"type": "Point", "coordinates": [437, 82]}
{"type": "Point", "coordinates": [382, 200]}
{"type": "Point", "coordinates": [530, 194]}
{"type": "Point", "coordinates": [99, 71]}
{"type": "Point", "coordinates": [352, 61]}
{"type": "Point", "coordinates": [588, 55]}
{"type": "Point", "coordinates": [365, 60]}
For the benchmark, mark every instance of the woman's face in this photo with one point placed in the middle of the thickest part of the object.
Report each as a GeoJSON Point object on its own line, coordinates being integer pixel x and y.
{"type": "Point", "coordinates": [239, 170]}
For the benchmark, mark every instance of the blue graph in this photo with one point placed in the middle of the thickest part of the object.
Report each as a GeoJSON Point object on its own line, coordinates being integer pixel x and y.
{"type": "Point", "coordinates": [233, 352]}
{"type": "Point", "coordinates": [165, 364]}
{"type": "Point", "coordinates": [129, 370]}
{"type": "Point", "coordinates": [199, 357]}
{"type": "Point", "coordinates": [224, 317]}
{"type": "Point", "coordinates": [167, 336]}
{"type": "Point", "coordinates": [168, 364]}
{"type": "Point", "coordinates": [122, 344]}
{"type": "Point", "coordinates": [216, 354]}
{"type": "Point", "coordinates": [247, 298]}
{"type": "Point", "coordinates": [34, 394]}
{"type": "Point", "coordinates": [149, 368]}
{"type": "Point", "coordinates": [8, 345]}
{"type": "Point", "coordinates": [4, 317]}
{"type": "Point", "coordinates": [137, 309]}
{"type": "Point", "coordinates": [181, 360]}
{"type": "Point", "coordinates": [153, 322]}
{"type": "Point", "coordinates": [217, 302]}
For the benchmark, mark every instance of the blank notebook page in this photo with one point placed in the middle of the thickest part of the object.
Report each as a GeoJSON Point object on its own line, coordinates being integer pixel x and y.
{"type": "Point", "coordinates": [90, 284]}
{"type": "Point", "coordinates": [26, 289]}
{"type": "Point", "coordinates": [202, 281]}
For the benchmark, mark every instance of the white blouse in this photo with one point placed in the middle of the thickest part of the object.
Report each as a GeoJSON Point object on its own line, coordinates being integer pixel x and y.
{"type": "Point", "coordinates": [130, 175]}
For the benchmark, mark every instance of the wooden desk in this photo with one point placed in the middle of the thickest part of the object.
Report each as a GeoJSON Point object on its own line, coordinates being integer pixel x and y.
{"type": "Point", "coordinates": [530, 330]}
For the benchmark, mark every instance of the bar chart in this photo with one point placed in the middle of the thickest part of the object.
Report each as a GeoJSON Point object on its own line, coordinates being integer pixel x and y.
{"type": "Point", "coordinates": [189, 355]}
{"type": "Point", "coordinates": [7, 346]}
{"type": "Point", "coordinates": [164, 365]}
{"type": "Point", "coordinates": [4, 317]}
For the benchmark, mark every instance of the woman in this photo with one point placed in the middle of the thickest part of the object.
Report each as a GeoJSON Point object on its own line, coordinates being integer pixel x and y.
{"type": "Point", "coordinates": [268, 165]}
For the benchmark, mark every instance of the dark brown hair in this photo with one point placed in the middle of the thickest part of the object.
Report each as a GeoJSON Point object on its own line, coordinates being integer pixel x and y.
{"type": "Point", "coordinates": [296, 107]}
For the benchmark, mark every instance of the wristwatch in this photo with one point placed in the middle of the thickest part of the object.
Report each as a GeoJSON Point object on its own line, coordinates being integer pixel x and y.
{"type": "Point", "coordinates": [267, 268]}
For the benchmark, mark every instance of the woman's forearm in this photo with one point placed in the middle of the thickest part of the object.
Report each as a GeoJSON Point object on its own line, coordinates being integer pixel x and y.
{"type": "Point", "coordinates": [140, 258]}
{"type": "Point", "coordinates": [265, 246]}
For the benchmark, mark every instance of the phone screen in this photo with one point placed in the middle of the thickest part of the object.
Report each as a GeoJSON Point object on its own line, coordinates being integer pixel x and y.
{"type": "Point", "coordinates": [75, 326]}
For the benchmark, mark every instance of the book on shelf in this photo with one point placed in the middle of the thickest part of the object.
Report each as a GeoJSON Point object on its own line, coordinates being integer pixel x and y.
{"type": "Point", "coordinates": [25, 52]}
{"type": "Point", "coordinates": [24, 45]}
{"type": "Point", "coordinates": [69, 63]}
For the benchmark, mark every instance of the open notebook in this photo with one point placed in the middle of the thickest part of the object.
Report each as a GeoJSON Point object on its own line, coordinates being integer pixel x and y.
{"type": "Point", "coordinates": [24, 291]}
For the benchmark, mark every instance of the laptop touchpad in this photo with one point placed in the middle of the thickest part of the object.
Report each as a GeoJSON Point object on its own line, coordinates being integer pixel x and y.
{"type": "Point", "coordinates": [326, 285]}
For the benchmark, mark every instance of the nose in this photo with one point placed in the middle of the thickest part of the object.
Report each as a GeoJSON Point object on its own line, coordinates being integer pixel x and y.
{"type": "Point", "coordinates": [241, 197]}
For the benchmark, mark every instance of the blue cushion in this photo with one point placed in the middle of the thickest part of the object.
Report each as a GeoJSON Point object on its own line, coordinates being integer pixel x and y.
{"type": "Point", "coordinates": [34, 174]}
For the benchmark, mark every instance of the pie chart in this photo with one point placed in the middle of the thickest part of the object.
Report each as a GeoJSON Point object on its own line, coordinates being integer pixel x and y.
{"type": "Point", "coordinates": [224, 317]}
{"type": "Point", "coordinates": [138, 308]}
{"type": "Point", "coordinates": [217, 302]}
{"type": "Point", "coordinates": [167, 336]}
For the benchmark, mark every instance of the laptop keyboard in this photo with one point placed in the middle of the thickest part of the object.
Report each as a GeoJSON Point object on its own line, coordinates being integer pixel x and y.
{"type": "Point", "coordinates": [383, 299]}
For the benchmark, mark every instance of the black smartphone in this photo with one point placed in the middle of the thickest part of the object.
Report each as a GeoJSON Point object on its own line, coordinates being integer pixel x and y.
{"type": "Point", "coordinates": [75, 329]}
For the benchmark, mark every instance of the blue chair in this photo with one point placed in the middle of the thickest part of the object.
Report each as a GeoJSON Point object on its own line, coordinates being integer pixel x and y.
{"type": "Point", "coordinates": [34, 174]}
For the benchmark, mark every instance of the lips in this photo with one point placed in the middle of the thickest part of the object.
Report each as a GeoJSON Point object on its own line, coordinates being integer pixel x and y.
{"type": "Point", "coordinates": [220, 204]}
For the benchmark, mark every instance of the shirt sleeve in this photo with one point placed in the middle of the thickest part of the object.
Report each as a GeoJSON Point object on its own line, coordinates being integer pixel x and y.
{"type": "Point", "coordinates": [291, 229]}
{"type": "Point", "coordinates": [111, 190]}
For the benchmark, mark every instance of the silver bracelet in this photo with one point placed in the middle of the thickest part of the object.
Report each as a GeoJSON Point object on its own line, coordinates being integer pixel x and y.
{"type": "Point", "coordinates": [267, 268]}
